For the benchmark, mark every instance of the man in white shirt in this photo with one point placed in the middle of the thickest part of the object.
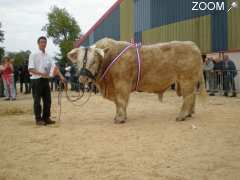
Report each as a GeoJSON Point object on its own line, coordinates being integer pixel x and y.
{"type": "Point", "coordinates": [40, 67]}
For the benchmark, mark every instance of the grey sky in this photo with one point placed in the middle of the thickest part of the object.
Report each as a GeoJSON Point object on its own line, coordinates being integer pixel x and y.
{"type": "Point", "coordinates": [22, 20]}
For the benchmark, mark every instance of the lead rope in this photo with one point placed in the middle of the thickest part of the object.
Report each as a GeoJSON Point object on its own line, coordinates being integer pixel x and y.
{"type": "Point", "coordinates": [72, 101]}
{"type": "Point", "coordinates": [59, 104]}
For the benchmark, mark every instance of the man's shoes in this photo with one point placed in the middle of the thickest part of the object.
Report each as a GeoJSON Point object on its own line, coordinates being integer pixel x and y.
{"type": "Point", "coordinates": [7, 99]}
{"type": "Point", "coordinates": [211, 94]}
{"type": "Point", "coordinates": [49, 121]}
{"type": "Point", "coordinates": [41, 123]}
{"type": "Point", "coordinates": [234, 94]}
{"type": "Point", "coordinates": [226, 94]}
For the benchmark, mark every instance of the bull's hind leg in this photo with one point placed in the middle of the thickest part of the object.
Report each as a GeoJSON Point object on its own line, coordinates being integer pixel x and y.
{"type": "Point", "coordinates": [192, 110]}
{"type": "Point", "coordinates": [187, 107]}
{"type": "Point", "coordinates": [188, 101]}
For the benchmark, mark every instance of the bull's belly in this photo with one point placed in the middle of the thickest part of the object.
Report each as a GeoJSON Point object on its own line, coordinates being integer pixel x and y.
{"type": "Point", "coordinates": [158, 85]}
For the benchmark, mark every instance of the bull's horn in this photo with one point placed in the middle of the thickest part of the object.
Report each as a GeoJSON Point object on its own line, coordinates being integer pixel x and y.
{"type": "Point", "coordinates": [100, 52]}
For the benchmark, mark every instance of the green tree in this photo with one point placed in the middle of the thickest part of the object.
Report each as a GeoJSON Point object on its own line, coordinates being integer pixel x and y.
{"type": "Point", "coordinates": [63, 29]}
{"type": "Point", "coordinates": [1, 41]}
{"type": "Point", "coordinates": [19, 57]}
{"type": "Point", "coordinates": [2, 52]}
{"type": "Point", "coordinates": [1, 34]}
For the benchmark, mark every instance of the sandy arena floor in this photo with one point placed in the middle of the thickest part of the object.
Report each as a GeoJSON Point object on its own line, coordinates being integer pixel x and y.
{"type": "Point", "coordinates": [87, 145]}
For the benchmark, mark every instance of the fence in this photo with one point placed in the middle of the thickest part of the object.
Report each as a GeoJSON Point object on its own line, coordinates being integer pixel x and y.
{"type": "Point", "coordinates": [222, 81]}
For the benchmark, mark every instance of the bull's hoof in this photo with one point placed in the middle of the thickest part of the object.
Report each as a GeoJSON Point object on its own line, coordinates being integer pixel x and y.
{"type": "Point", "coordinates": [183, 118]}
{"type": "Point", "coordinates": [180, 118]}
{"type": "Point", "coordinates": [119, 120]}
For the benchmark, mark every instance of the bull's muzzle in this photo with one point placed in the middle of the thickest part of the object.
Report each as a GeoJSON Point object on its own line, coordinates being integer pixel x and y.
{"type": "Point", "coordinates": [87, 73]}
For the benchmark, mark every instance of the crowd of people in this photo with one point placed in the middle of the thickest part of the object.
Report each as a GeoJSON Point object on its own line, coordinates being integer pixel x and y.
{"type": "Point", "coordinates": [8, 88]}
{"type": "Point", "coordinates": [220, 75]}
{"type": "Point", "coordinates": [10, 75]}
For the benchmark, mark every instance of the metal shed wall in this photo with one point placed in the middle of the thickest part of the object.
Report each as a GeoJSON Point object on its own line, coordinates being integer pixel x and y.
{"type": "Point", "coordinates": [91, 39]}
{"type": "Point", "coordinates": [219, 31]}
{"type": "Point", "coordinates": [86, 42]}
{"type": "Point", "coordinates": [165, 12]}
{"type": "Point", "coordinates": [142, 15]}
{"type": "Point", "coordinates": [127, 20]}
{"type": "Point", "coordinates": [110, 27]}
{"type": "Point", "coordinates": [233, 28]}
{"type": "Point", "coordinates": [197, 30]}
{"type": "Point", "coordinates": [154, 21]}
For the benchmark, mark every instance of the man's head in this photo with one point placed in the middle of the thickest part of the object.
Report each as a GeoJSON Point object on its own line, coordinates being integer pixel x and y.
{"type": "Point", "coordinates": [42, 43]}
{"type": "Point", "coordinates": [7, 60]}
{"type": "Point", "coordinates": [225, 57]}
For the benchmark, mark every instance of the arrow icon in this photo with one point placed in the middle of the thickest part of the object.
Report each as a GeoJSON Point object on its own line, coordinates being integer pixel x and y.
{"type": "Point", "coordinates": [233, 5]}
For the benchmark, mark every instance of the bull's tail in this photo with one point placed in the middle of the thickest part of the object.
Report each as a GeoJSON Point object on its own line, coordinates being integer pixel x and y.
{"type": "Point", "coordinates": [160, 97]}
{"type": "Point", "coordinates": [201, 88]}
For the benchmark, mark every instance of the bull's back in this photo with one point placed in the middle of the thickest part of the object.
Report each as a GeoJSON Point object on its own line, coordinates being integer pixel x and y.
{"type": "Point", "coordinates": [177, 56]}
{"type": "Point", "coordinates": [163, 63]}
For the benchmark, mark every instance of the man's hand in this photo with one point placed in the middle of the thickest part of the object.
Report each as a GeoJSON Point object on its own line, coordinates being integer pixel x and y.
{"type": "Point", "coordinates": [58, 73]}
{"type": "Point", "coordinates": [44, 75]}
{"type": "Point", "coordinates": [63, 79]}
{"type": "Point", "coordinates": [35, 72]}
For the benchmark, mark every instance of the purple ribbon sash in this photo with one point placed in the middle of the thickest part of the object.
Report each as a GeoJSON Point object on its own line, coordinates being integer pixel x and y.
{"type": "Point", "coordinates": [138, 59]}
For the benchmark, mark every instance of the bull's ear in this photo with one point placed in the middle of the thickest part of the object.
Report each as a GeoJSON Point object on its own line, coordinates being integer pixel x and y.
{"type": "Point", "coordinates": [106, 50]}
{"type": "Point", "coordinates": [73, 55]}
{"type": "Point", "coordinates": [100, 52]}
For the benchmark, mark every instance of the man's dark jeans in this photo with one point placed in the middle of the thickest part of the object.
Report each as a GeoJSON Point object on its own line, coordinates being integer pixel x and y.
{"type": "Point", "coordinates": [41, 91]}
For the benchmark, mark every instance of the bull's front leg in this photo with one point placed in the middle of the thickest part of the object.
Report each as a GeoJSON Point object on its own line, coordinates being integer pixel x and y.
{"type": "Point", "coordinates": [121, 109]}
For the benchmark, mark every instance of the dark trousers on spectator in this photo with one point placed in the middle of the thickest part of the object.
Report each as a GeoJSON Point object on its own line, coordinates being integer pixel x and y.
{"type": "Point", "coordinates": [27, 87]}
{"type": "Point", "coordinates": [41, 91]}
{"type": "Point", "coordinates": [229, 84]}
{"type": "Point", "coordinates": [1, 88]}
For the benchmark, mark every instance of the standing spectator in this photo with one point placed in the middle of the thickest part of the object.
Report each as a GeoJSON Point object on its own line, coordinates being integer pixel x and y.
{"type": "Point", "coordinates": [229, 74]}
{"type": "Point", "coordinates": [1, 87]}
{"type": "Point", "coordinates": [16, 75]}
{"type": "Point", "coordinates": [67, 72]}
{"type": "Point", "coordinates": [55, 82]}
{"type": "Point", "coordinates": [73, 78]}
{"type": "Point", "coordinates": [21, 77]}
{"type": "Point", "coordinates": [204, 56]}
{"type": "Point", "coordinates": [209, 74]}
{"type": "Point", "coordinates": [51, 84]}
{"type": "Point", "coordinates": [26, 78]}
{"type": "Point", "coordinates": [1, 82]}
{"type": "Point", "coordinates": [218, 74]}
{"type": "Point", "coordinates": [8, 79]}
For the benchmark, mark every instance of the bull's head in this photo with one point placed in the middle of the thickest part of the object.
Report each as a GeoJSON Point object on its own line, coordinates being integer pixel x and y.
{"type": "Point", "coordinates": [88, 62]}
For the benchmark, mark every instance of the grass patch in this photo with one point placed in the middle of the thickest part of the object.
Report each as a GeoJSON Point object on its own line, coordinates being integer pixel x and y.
{"type": "Point", "coordinates": [12, 111]}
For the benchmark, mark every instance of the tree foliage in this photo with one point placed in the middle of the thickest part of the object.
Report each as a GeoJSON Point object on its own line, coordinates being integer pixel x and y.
{"type": "Point", "coordinates": [19, 58]}
{"type": "Point", "coordinates": [2, 52]}
{"type": "Point", "coordinates": [1, 41]}
{"type": "Point", "coordinates": [63, 29]}
{"type": "Point", "coordinates": [1, 33]}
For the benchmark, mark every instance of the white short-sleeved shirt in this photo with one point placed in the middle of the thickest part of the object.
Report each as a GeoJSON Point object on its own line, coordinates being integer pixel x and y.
{"type": "Point", "coordinates": [41, 62]}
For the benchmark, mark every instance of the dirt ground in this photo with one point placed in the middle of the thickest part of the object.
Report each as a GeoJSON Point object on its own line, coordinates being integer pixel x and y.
{"type": "Point", "coordinates": [87, 145]}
